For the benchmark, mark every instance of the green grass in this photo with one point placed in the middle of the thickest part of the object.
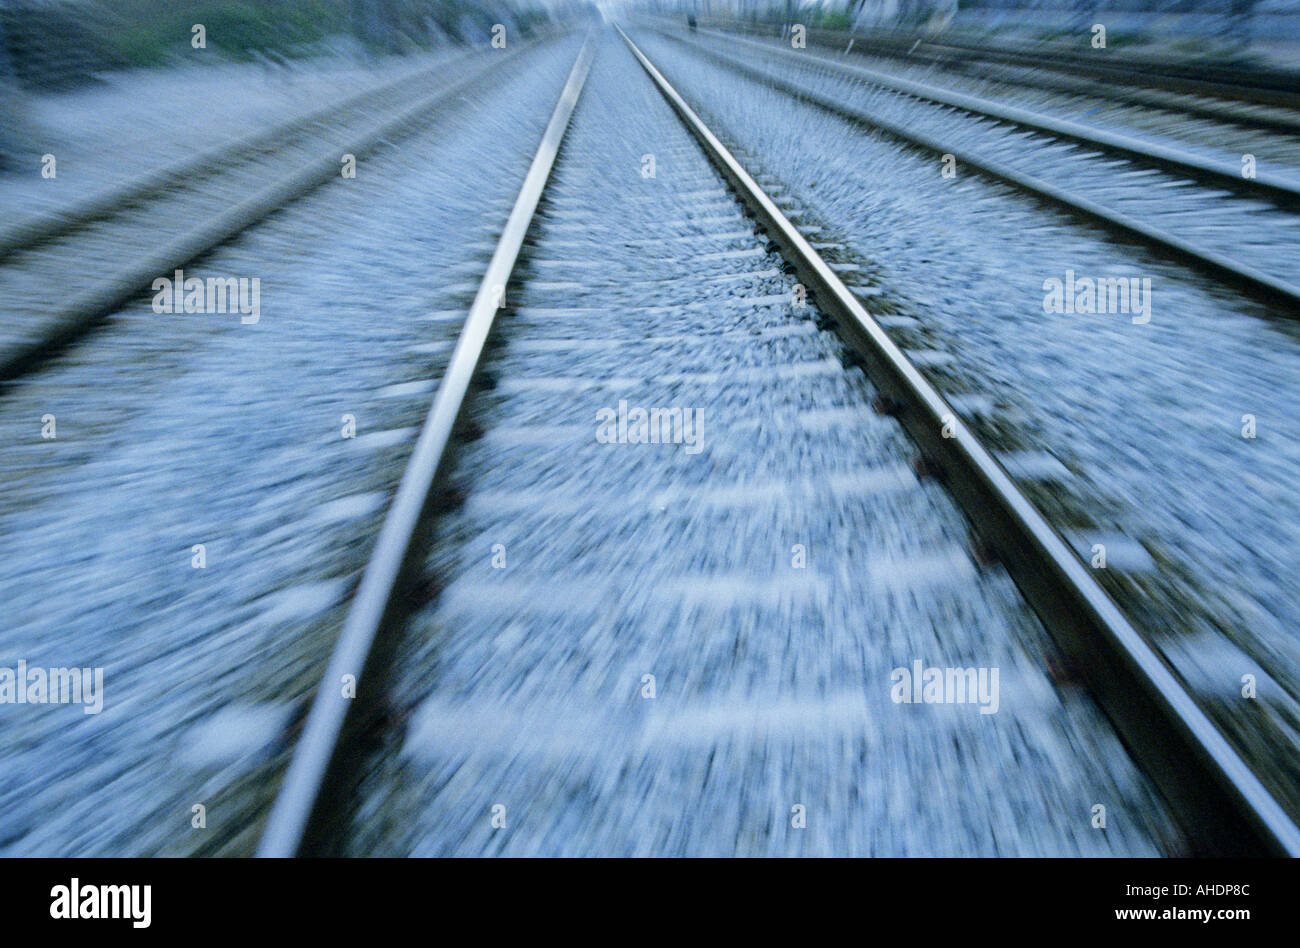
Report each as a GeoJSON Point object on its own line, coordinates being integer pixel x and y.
{"type": "Point", "coordinates": [150, 34]}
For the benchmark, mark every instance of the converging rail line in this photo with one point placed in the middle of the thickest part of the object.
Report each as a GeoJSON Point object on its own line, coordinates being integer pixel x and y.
{"type": "Point", "coordinates": [1030, 75]}
{"type": "Point", "coordinates": [626, 304]}
{"type": "Point", "coordinates": [301, 793]}
{"type": "Point", "coordinates": [1281, 190]}
{"type": "Point", "coordinates": [1027, 76]}
{"type": "Point", "coordinates": [216, 195]}
{"type": "Point", "coordinates": [1001, 143]}
{"type": "Point", "coordinates": [1124, 73]}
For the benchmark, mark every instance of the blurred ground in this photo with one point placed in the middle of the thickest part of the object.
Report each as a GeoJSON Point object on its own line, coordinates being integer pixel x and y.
{"type": "Point", "coordinates": [131, 122]}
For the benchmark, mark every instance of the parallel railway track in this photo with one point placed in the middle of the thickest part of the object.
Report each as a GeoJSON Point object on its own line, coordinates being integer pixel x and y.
{"type": "Point", "coordinates": [1281, 190]}
{"type": "Point", "coordinates": [112, 242]}
{"type": "Point", "coordinates": [431, 605]}
{"type": "Point", "coordinates": [1163, 111]}
{"type": "Point", "coordinates": [1133, 196]}
{"type": "Point", "coordinates": [1266, 87]}
{"type": "Point", "coordinates": [1224, 112]}
{"type": "Point", "coordinates": [149, 455]}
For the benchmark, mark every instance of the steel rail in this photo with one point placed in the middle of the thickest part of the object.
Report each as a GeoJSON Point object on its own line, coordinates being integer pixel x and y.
{"type": "Point", "coordinates": [1278, 293]}
{"type": "Point", "coordinates": [39, 228]}
{"type": "Point", "coordinates": [79, 314]}
{"type": "Point", "coordinates": [1274, 187]}
{"type": "Point", "coordinates": [291, 828]}
{"type": "Point", "coordinates": [1255, 117]}
{"type": "Point", "coordinates": [1275, 88]}
{"type": "Point", "coordinates": [1215, 796]}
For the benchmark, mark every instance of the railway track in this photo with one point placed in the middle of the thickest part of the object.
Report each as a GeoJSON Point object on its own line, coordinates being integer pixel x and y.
{"type": "Point", "coordinates": [488, 693]}
{"type": "Point", "coordinates": [1270, 89]}
{"type": "Point", "coordinates": [1281, 190]}
{"type": "Point", "coordinates": [111, 243]}
{"type": "Point", "coordinates": [364, 287]}
{"type": "Point", "coordinates": [1115, 98]}
{"type": "Point", "coordinates": [1136, 189]}
{"type": "Point", "coordinates": [1175, 105]}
